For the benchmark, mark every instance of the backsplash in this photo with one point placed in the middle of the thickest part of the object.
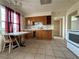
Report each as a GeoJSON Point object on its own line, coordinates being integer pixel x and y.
{"type": "Point", "coordinates": [39, 27]}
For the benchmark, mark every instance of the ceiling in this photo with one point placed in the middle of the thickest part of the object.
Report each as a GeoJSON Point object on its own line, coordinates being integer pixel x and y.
{"type": "Point", "coordinates": [34, 6]}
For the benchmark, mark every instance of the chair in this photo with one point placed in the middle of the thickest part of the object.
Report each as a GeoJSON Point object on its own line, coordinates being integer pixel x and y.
{"type": "Point", "coordinates": [8, 40]}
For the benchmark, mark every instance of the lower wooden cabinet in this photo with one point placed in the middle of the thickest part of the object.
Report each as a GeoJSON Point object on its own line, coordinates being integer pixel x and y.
{"type": "Point", "coordinates": [39, 34]}
{"type": "Point", "coordinates": [44, 34]}
{"type": "Point", "coordinates": [28, 36]}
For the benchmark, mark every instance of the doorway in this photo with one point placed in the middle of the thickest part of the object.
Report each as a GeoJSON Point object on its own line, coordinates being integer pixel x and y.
{"type": "Point", "coordinates": [58, 27]}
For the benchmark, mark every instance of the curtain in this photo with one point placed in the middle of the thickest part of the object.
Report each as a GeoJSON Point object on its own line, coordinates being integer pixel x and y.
{"type": "Point", "coordinates": [18, 21]}
{"type": "Point", "coordinates": [7, 20]}
{"type": "Point", "coordinates": [9, 23]}
{"type": "Point", "coordinates": [11, 20]}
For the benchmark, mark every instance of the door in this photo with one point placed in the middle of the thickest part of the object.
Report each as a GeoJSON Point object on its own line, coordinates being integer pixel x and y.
{"type": "Point", "coordinates": [57, 27]}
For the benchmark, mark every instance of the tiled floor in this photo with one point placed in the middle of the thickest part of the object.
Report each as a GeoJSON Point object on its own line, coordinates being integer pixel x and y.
{"type": "Point", "coordinates": [40, 49]}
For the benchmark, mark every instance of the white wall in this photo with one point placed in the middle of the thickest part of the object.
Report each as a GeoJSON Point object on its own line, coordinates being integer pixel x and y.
{"type": "Point", "coordinates": [15, 8]}
{"type": "Point", "coordinates": [39, 14]}
{"type": "Point", "coordinates": [60, 15]}
{"type": "Point", "coordinates": [0, 43]}
{"type": "Point", "coordinates": [75, 7]}
{"type": "Point", "coordinates": [65, 17]}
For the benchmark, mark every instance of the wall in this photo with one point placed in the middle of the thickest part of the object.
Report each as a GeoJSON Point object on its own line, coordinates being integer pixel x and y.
{"type": "Point", "coordinates": [15, 8]}
{"type": "Point", "coordinates": [1, 42]}
{"type": "Point", "coordinates": [57, 27]}
{"type": "Point", "coordinates": [73, 8]}
{"type": "Point", "coordinates": [39, 14]}
{"type": "Point", "coordinates": [64, 27]}
{"type": "Point", "coordinates": [70, 11]}
{"type": "Point", "coordinates": [60, 15]}
{"type": "Point", "coordinates": [66, 18]}
{"type": "Point", "coordinates": [22, 22]}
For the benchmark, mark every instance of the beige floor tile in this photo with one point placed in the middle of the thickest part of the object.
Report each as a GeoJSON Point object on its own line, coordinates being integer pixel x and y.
{"type": "Point", "coordinates": [2, 57]}
{"type": "Point", "coordinates": [59, 54]}
{"type": "Point", "coordinates": [33, 50]}
{"type": "Point", "coordinates": [70, 56]}
{"type": "Point", "coordinates": [39, 56]}
{"type": "Point", "coordinates": [50, 57]}
{"type": "Point", "coordinates": [29, 56]}
{"type": "Point", "coordinates": [40, 49]}
{"type": "Point", "coordinates": [50, 52]}
{"type": "Point", "coordinates": [60, 58]}
{"type": "Point", "coordinates": [42, 46]}
{"type": "Point", "coordinates": [17, 55]}
{"type": "Point", "coordinates": [57, 49]}
{"type": "Point", "coordinates": [4, 54]}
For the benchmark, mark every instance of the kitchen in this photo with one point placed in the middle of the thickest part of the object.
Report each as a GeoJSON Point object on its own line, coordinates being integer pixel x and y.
{"type": "Point", "coordinates": [40, 29]}
{"type": "Point", "coordinates": [40, 26]}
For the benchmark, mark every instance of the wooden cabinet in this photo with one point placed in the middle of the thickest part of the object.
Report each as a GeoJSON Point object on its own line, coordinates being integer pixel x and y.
{"type": "Point", "coordinates": [32, 20]}
{"type": "Point", "coordinates": [44, 34]}
{"type": "Point", "coordinates": [45, 20]}
{"type": "Point", "coordinates": [28, 36]}
{"type": "Point", "coordinates": [40, 34]}
{"type": "Point", "coordinates": [48, 20]}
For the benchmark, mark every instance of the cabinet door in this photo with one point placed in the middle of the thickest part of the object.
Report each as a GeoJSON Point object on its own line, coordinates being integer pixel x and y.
{"type": "Point", "coordinates": [28, 36]}
{"type": "Point", "coordinates": [47, 34]}
{"type": "Point", "coordinates": [39, 34]}
{"type": "Point", "coordinates": [48, 20]}
{"type": "Point", "coordinates": [44, 34]}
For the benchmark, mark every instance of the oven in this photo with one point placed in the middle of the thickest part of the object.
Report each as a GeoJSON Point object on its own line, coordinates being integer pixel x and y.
{"type": "Point", "coordinates": [74, 39]}
{"type": "Point", "coordinates": [73, 42]}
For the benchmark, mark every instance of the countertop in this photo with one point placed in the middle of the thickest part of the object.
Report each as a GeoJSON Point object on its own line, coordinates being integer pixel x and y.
{"type": "Point", "coordinates": [38, 29]}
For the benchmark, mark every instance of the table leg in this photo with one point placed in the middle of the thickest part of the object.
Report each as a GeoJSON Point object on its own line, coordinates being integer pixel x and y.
{"type": "Point", "coordinates": [21, 41]}
{"type": "Point", "coordinates": [17, 42]}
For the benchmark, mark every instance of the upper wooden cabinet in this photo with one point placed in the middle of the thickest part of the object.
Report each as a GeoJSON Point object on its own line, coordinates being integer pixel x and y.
{"type": "Point", "coordinates": [49, 20]}
{"type": "Point", "coordinates": [46, 20]}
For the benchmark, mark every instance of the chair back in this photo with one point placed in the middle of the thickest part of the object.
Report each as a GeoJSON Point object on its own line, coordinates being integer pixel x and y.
{"type": "Point", "coordinates": [5, 37]}
{"type": "Point", "coordinates": [2, 36]}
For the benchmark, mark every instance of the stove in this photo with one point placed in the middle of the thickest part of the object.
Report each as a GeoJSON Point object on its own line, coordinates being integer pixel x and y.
{"type": "Point", "coordinates": [73, 42]}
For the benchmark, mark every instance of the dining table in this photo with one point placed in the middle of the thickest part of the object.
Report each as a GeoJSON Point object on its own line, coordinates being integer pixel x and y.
{"type": "Point", "coordinates": [20, 35]}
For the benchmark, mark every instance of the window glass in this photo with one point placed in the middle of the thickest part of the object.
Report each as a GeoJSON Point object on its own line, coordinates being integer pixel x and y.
{"type": "Point", "coordinates": [3, 13]}
{"type": "Point", "coordinates": [13, 20]}
{"type": "Point", "coordinates": [2, 19]}
{"type": "Point", "coordinates": [3, 25]}
{"type": "Point", "coordinates": [15, 17]}
{"type": "Point", "coordinates": [12, 17]}
{"type": "Point", "coordinates": [15, 27]}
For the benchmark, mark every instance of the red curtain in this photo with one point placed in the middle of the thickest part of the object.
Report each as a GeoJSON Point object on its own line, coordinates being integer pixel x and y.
{"type": "Point", "coordinates": [18, 21]}
{"type": "Point", "coordinates": [7, 20]}
{"type": "Point", "coordinates": [10, 20]}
